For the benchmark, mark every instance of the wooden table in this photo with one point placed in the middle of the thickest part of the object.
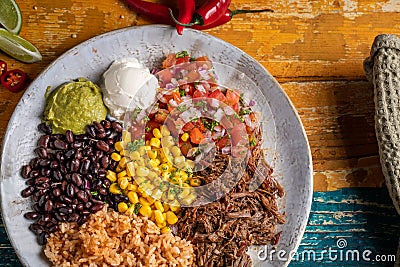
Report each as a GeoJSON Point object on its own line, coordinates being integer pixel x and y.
{"type": "Point", "coordinates": [315, 49]}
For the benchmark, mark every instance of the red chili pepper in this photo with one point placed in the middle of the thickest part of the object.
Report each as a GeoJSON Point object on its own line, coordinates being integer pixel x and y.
{"type": "Point", "coordinates": [227, 16]}
{"type": "Point", "coordinates": [210, 12]}
{"type": "Point", "coordinates": [156, 12]}
{"type": "Point", "coordinates": [186, 10]}
{"type": "Point", "coordinates": [3, 67]}
{"type": "Point", "coordinates": [14, 80]}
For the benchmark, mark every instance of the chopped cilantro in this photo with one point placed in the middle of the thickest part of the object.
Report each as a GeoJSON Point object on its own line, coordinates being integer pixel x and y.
{"type": "Point", "coordinates": [133, 146]}
{"type": "Point", "coordinates": [94, 193]}
{"type": "Point", "coordinates": [238, 117]}
{"type": "Point", "coordinates": [210, 125]}
{"type": "Point", "coordinates": [253, 142]}
{"type": "Point", "coordinates": [147, 128]}
{"type": "Point", "coordinates": [146, 119]}
{"type": "Point", "coordinates": [137, 208]}
{"type": "Point", "coordinates": [182, 92]}
{"type": "Point", "coordinates": [244, 111]}
{"type": "Point", "coordinates": [182, 54]}
{"type": "Point", "coordinates": [175, 190]}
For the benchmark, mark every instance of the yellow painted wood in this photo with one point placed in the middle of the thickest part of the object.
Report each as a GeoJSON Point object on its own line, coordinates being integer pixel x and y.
{"type": "Point", "coordinates": [314, 48]}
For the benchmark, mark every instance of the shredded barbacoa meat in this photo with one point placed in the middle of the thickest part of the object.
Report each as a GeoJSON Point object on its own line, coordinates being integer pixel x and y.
{"type": "Point", "coordinates": [223, 230]}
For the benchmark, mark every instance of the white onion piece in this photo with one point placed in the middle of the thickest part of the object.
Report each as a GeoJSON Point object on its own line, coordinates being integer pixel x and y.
{"type": "Point", "coordinates": [226, 150]}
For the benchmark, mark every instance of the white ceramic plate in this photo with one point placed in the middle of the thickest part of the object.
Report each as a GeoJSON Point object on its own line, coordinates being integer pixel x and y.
{"type": "Point", "coordinates": [292, 164]}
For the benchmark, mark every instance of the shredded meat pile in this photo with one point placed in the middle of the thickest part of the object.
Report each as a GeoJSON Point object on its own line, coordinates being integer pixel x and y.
{"type": "Point", "coordinates": [223, 230]}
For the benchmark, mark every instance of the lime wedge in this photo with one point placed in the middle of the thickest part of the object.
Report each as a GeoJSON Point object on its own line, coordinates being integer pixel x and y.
{"type": "Point", "coordinates": [18, 47]}
{"type": "Point", "coordinates": [10, 16]}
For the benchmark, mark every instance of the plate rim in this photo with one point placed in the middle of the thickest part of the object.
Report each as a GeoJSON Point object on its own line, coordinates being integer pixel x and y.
{"type": "Point", "coordinates": [84, 43]}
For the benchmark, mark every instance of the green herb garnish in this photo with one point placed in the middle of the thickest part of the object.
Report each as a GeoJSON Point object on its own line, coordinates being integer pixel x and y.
{"type": "Point", "coordinates": [182, 54]}
{"type": "Point", "coordinates": [137, 208]}
{"type": "Point", "coordinates": [133, 146]}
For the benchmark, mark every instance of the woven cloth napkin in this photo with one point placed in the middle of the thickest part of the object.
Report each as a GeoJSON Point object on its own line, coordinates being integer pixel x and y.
{"type": "Point", "coordinates": [382, 68]}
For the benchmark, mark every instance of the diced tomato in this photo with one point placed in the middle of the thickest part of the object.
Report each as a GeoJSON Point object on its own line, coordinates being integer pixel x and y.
{"type": "Point", "coordinates": [232, 97]}
{"type": "Point", "coordinates": [217, 94]}
{"type": "Point", "coordinates": [177, 97]}
{"type": "Point", "coordinates": [181, 60]}
{"type": "Point", "coordinates": [161, 115]}
{"type": "Point", "coordinates": [197, 94]}
{"type": "Point", "coordinates": [236, 108]}
{"type": "Point", "coordinates": [185, 147]}
{"type": "Point", "coordinates": [169, 61]}
{"type": "Point", "coordinates": [238, 134]}
{"type": "Point", "coordinates": [223, 142]}
{"type": "Point", "coordinates": [196, 136]}
{"type": "Point", "coordinates": [188, 126]}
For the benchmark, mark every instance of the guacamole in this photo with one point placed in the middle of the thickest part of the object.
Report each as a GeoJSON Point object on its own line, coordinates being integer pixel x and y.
{"type": "Point", "coordinates": [73, 105]}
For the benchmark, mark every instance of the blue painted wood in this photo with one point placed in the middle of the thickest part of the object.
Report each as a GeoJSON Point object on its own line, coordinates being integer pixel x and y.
{"type": "Point", "coordinates": [363, 218]}
{"type": "Point", "coordinates": [350, 221]}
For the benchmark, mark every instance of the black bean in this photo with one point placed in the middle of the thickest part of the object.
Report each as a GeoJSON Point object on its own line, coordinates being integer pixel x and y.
{"type": "Point", "coordinates": [91, 131]}
{"type": "Point", "coordinates": [43, 200]}
{"type": "Point", "coordinates": [117, 126]}
{"type": "Point", "coordinates": [41, 152]}
{"type": "Point", "coordinates": [41, 180]}
{"type": "Point", "coordinates": [31, 215]}
{"type": "Point", "coordinates": [76, 179]}
{"type": "Point", "coordinates": [85, 212]}
{"type": "Point", "coordinates": [73, 217]}
{"type": "Point", "coordinates": [60, 156]}
{"type": "Point", "coordinates": [41, 222]}
{"type": "Point", "coordinates": [53, 228]}
{"type": "Point", "coordinates": [57, 176]}
{"type": "Point", "coordinates": [69, 153]}
{"type": "Point", "coordinates": [65, 199]}
{"type": "Point", "coordinates": [102, 173]}
{"type": "Point", "coordinates": [27, 192]}
{"type": "Point", "coordinates": [78, 154]}
{"type": "Point", "coordinates": [82, 219]}
{"type": "Point", "coordinates": [85, 166]}
{"type": "Point", "coordinates": [88, 205]}
{"type": "Point", "coordinates": [59, 144]}
{"type": "Point", "coordinates": [36, 208]}
{"type": "Point", "coordinates": [44, 128]}
{"type": "Point", "coordinates": [26, 169]}
{"type": "Point", "coordinates": [48, 206]}
{"type": "Point", "coordinates": [74, 165]}
{"type": "Point", "coordinates": [70, 190]}
{"type": "Point", "coordinates": [59, 205]}
{"type": "Point", "coordinates": [36, 228]}
{"type": "Point", "coordinates": [81, 137]}
{"type": "Point", "coordinates": [56, 192]}
{"type": "Point", "coordinates": [108, 133]}
{"type": "Point", "coordinates": [54, 164]}
{"type": "Point", "coordinates": [69, 136]}
{"type": "Point", "coordinates": [103, 191]}
{"type": "Point", "coordinates": [34, 163]}
{"type": "Point", "coordinates": [64, 186]}
{"type": "Point", "coordinates": [44, 141]}
{"type": "Point", "coordinates": [46, 218]}
{"type": "Point", "coordinates": [80, 207]}
{"type": "Point", "coordinates": [113, 164]}
{"type": "Point", "coordinates": [63, 169]}
{"type": "Point", "coordinates": [45, 171]}
{"type": "Point", "coordinates": [82, 196]}
{"type": "Point", "coordinates": [96, 208]}
{"type": "Point", "coordinates": [110, 142]}
{"type": "Point", "coordinates": [76, 144]}
{"type": "Point", "coordinates": [30, 181]}
{"type": "Point", "coordinates": [98, 127]}
{"type": "Point", "coordinates": [106, 183]}
{"type": "Point", "coordinates": [66, 210]}
{"type": "Point", "coordinates": [105, 161]}
{"type": "Point", "coordinates": [106, 124]}
{"type": "Point", "coordinates": [42, 239]}
{"type": "Point", "coordinates": [101, 145]}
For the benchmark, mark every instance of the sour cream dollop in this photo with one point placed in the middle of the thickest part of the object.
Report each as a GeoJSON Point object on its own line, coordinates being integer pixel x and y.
{"type": "Point", "coordinates": [128, 84]}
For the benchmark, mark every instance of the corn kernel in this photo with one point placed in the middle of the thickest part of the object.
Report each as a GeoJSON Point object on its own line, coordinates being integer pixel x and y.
{"type": "Point", "coordinates": [165, 230]}
{"type": "Point", "coordinates": [195, 182]}
{"type": "Point", "coordinates": [164, 215]}
{"type": "Point", "coordinates": [159, 206]}
{"type": "Point", "coordinates": [135, 155]}
{"type": "Point", "coordinates": [167, 141]}
{"type": "Point", "coordinates": [166, 207]}
{"type": "Point", "coordinates": [164, 130]}
{"type": "Point", "coordinates": [143, 150]}
{"type": "Point", "coordinates": [123, 162]}
{"type": "Point", "coordinates": [174, 206]}
{"type": "Point", "coordinates": [116, 156]}
{"type": "Point", "coordinates": [150, 200]}
{"type": "Point", "coordinates": [181, 175]}
{"type": "Point", "coordinates": [152, 175]}
{"type": "Point", "coordinates": [189, 199]}
{"type": "Point", "coordinates": [162, 225]}
{"type": "Point", "coordinates": [158, 216]}
{"type": "Point", "coordinates": [157, 133]}
{"type": "Point", "coordinates": [123, 183]}
{"type": "Point", "coordinates": [155, 142]}
{"type": "Point", "coordinates": [130, 169]}
{"type": "Point", "coordinates": [153, 163]}
{"type": "Point", "coordinates": [131, 187]}
{"type": "Point", "coordinates": [145, 210]}
{"type": "Point", "coordinates": [144, 201]}
{"type": "Point", "coordinates": [119, 169]}
{"type": "Point", "coordinates": [190, 163]}
{"type": "Point", "coordinates": [166, 176]}
{"type": "Point", "coordinates": [130, 210]}
{"type": "Point", "coordinates": [142, 171]}
{"type": "Point", "coordinates": [114, 189]}
{"type": "Point", "coordinates": [171, 218]}
{"type": "Point", "coordinates": [164, 167]}
{"type": "Point", "coordinates": [133, 197]}
{"type": "Point", "coordinates": [122, 207]}
{"type": "Point", "coordinates": [126, 136]}
{"type": "Point", "coordinates": [185, 137]}
{"type": "Point", "coordinates": [119, 146]}
{"type": "Point", "coordinates": [111, 176]}
{"type": "Point", "coordinates": [152, 217]}
{"type": "Point", "coordinates": [152, 154]}
{"type": "Point", "coordinates": [121, 174]}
